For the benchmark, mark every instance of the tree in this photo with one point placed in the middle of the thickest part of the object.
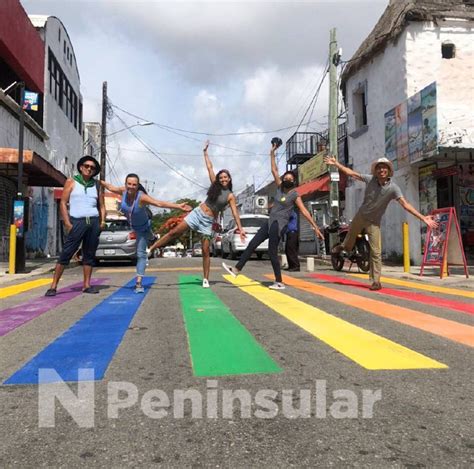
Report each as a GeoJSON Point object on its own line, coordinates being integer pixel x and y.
{"type": "Point", "coordinates": [165, 221]}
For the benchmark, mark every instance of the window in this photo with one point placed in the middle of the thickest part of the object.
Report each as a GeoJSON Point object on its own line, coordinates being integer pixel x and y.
{"type": "Point", "coordinates": [67, 55]}
{"type": "Point", "coordinates": [359, 103]}
{"type": "Point", "coordinates": [59, 35]}
{"type": "Point", "coordinates": [64, 46]}
{"type": "Point", "coordinates": [448, 50]}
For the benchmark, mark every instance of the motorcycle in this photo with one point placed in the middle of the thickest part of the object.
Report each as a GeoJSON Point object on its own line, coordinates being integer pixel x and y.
{"type": "Point", "coordinates": [359, 254]}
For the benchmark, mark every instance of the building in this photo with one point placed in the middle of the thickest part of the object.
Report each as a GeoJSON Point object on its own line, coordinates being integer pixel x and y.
{"type": "Point", "coordinates": [62, 121]}
{"type": "Point", "coordinates": [304, 155]}
{"type": "Point", "coordinates": [22, 58]}
{"type": "Point", "coordinates": [409, 93]}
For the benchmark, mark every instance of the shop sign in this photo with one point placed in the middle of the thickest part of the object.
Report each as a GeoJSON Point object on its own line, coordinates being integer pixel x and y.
{"type": "Point", "coordinates": [313, 168]}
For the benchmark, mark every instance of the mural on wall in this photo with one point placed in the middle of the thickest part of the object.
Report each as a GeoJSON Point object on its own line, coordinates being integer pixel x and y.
{"type": "Point", "coordinates": [411, 128]}
{"type": "Point", "coordinates": [37, 236]}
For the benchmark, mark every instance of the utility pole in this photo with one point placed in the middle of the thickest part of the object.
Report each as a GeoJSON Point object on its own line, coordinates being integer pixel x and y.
{"type": "Point", "coordinates": [333, 121]}
{"type": "Point", "coordinates": [103, 135]}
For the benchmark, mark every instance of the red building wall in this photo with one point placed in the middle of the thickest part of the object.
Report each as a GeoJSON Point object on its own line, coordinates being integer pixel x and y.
{"type": "Point", "coordinates": [21, 46]}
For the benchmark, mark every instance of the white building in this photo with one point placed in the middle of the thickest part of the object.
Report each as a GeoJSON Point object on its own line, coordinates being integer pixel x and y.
{"type": "Point", "coordinates": [92, 134]}
{"type": "Point", "coordinates": [409, 93]}
{"type": "Point", "coordinates": [62, 121]}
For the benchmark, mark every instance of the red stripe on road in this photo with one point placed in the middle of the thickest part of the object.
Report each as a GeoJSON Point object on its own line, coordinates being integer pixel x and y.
{"type": "Point", "coordinates": [412, 296]}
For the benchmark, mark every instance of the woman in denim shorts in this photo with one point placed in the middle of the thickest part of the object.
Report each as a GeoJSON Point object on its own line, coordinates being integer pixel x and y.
{"type": "Point", "coordinates": [134, 206]}
{"type": "Point", "coordinates": [201, 219]}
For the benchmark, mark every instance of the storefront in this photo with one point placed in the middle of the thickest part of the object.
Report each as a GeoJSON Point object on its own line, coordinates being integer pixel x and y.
{"type": "Point", "coordinates": [450, 186]}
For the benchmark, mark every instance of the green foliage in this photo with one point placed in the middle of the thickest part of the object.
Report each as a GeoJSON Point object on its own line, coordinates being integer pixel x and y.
{"type": "Point", "coordinates": [159, 219]}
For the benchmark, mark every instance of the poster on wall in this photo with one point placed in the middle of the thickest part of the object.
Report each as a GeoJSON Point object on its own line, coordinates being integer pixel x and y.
{"type": "Point", "coordinates": [390, 135]}
{"type": "Point", "coordinates": [466, 207]}
{"type": "Point", "coordinates": [415, 129]}
{"type": "Point", "coordinates": [402, 134]}
{"type": "Point", "coordinates": [411, 132]}
{"type": "Point", "coordinates": [428, 112]}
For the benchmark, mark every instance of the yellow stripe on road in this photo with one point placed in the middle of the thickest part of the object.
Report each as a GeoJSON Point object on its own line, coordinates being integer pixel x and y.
{"type": "Point", "coordinates": [421, 286]}
{"type": "Point", "coordinates": [111, 270]}
{"type": "Point", "coordinates": [369, 350]}
{"type": "Point", "coordinates": [22, 287]}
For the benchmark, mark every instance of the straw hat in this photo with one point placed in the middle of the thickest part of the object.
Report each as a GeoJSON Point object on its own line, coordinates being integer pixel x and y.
{"type": "Point", "coordinates": [382, 161]}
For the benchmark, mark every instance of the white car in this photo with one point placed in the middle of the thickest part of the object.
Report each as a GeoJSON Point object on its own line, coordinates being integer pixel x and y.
{"type": "Point", "coordinates": [232, 245]}
{"type": "Point", "coordinates": [216, 244]}
{"type": "Point", "coordinates": [169, 251]}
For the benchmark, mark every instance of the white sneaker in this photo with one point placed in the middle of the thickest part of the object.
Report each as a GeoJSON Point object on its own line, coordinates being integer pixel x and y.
{"type": "Point", "coordinates": [230, 270]}
{"type": "Point", "coordinates": [205, 283]}
{"type": "Point", "coordinates": [277, 286]}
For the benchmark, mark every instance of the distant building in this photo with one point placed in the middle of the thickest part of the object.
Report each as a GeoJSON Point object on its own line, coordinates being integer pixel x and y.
{"type": "Point", "coordinates": [91, 135]}
{"type": "Point", "coordinates": [409, 94]}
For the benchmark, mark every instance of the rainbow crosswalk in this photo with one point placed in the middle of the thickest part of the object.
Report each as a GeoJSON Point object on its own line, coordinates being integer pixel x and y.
{"type": "Point", "coordinates": [219, 344]}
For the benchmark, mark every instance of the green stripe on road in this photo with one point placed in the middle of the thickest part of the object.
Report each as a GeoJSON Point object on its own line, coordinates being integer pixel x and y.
{"type": "Point", "coordinates": [219, 344]}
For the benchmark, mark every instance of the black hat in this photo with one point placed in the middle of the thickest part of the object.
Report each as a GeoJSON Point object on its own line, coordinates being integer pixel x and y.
{"type": "Point", "coordinates": [89, 158]}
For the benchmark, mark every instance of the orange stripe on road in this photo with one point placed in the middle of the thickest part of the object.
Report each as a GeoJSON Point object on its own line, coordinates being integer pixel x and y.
{"type": "Point", "coordinates": [446, 328]}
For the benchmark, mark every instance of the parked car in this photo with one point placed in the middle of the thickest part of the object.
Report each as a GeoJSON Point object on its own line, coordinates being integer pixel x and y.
{"type": "Point", "coordinates": [169, 251]}
{"type": "Point", "coordinates": [117, 242]}
{"type": "Point", "coordinates": [197, 250]}
{"type": "Point", "coordinates": [232, 245]}
{"type": "Point", "coordinates": [216, 244]}
{"type": "Point", "coordinates": [189, 253]}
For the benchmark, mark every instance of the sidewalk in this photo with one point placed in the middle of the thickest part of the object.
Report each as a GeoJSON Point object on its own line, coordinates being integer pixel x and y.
{"type": "Point", "coordinates": [34, 267]}
{"type": "Point", "coordinates": [457, 279]}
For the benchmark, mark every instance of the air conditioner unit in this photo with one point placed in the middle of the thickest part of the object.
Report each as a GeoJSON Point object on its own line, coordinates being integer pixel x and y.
{"type": "Point", "coordinates": [261, 201]}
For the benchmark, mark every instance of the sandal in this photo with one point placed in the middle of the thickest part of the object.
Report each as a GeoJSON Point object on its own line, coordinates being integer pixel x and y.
{"type": "Point", "coordinates": [92, 289]}
{"type": "Point", "coordinates": [51, 292]}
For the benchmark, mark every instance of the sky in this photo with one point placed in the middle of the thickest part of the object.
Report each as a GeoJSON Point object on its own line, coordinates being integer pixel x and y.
{"type": "Point", "coordinates": [222, 67]}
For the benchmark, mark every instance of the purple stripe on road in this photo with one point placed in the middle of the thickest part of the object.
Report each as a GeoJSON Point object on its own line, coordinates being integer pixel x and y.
{"type": "Point", "coordinates": [14, 317]}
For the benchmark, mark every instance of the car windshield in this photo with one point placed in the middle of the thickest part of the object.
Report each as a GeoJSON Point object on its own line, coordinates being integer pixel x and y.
{"type": "Point", "coordinates": [257, 222]}
{"type": "Point", "coordinates": [118, 225]}
{"type": "Point", "coordinates": [169, 249]}
{"type": "Point", "coordinates": [197, 246]}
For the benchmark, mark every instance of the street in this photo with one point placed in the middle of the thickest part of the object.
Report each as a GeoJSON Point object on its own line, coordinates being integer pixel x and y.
{"type": "Point", "coordinates": [325, 373]}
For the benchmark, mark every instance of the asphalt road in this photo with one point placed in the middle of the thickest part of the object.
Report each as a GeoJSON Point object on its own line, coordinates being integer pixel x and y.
{"type": "Point", "coordinates": [423, 417]}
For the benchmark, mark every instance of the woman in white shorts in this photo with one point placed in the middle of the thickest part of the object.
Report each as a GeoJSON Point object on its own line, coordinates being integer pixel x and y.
{"type": "Point", "coordinates": [201, 219]}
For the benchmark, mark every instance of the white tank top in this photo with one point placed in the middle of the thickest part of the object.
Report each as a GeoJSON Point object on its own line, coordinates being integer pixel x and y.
{"type": "Point", "coordinates": [83, 203]}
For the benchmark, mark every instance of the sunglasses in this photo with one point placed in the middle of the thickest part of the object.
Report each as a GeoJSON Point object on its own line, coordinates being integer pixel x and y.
{"type": "Point", "coordinates": [89, 166]}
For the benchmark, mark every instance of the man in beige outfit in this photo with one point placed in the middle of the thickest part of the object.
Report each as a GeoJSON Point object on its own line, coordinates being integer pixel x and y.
{"type": "Point", "coordinates": [379, 192]}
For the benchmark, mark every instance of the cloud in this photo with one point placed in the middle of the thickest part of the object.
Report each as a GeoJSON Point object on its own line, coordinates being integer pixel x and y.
{"type": "Point", "coordinates": [207, 107]}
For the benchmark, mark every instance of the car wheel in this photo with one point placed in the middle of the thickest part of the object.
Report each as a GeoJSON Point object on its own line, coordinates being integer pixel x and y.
{"type": "Point", "coordinates": [224, 254]}
{"type": "Point", "coordinates": [233, 255]}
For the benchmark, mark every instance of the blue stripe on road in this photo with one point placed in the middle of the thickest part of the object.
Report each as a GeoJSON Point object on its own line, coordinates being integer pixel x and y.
{"type": "Point", "coordinates": [90, 343]}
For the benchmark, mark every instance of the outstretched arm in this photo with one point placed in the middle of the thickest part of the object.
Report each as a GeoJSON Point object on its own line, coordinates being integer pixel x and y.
{"type": "Point", "coordinates": [146, 199]}
{"type": "Point", "coordinates": [235, 214]}
{"type": "Point", "coordinates": [207, 160]}
{"type": "Point", "coordinates": [299, 203]}
{"type": "Point", "coordinates": [428, 219]}
{"type": "Point", "coordinates": [115, 189]}
{"type": "Point", "coordinates": [274, 166]}
{"type": "Point", "coordinates": [331, 160]}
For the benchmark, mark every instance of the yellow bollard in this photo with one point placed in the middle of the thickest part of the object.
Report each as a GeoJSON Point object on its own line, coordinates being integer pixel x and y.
{"type": "Point", "coordinates": [12, 254]}
{"type": "Point", "coordinates": [406, 248]}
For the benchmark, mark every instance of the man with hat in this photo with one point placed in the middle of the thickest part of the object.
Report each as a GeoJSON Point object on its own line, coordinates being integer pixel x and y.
{"type": "Point", "coordinates": [83, 223]}
{"type": "Point", "coordinates": [379, 192]}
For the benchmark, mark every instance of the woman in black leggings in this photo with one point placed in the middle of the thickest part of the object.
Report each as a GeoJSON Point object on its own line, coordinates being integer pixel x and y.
{"type": "Point", "coordinates": [286, 199]}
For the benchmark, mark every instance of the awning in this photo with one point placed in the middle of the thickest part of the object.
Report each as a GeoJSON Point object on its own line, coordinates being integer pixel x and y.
{"type": "Point", "coordinates": [317, 185]}
{"type": "Point", "coordinates": [36, 170]}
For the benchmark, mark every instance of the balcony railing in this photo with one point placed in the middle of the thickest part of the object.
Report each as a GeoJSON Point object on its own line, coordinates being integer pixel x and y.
{"type": "Point", "coordinates": [301, 146]}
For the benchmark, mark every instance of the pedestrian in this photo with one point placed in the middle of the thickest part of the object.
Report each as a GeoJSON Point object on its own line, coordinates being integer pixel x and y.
{"type": "Point", "coordinates": [134, 206]}
{"type": "Point", "coordinates": [83, 223]}
{"type": "Point", "coordinates": [379, 192]}
{"type": "Point", "coordinates": [202, 218]}
{"type": "Point", "coordinates": [286, 199]}
{"type": "Point", "coordinates": [292, 243]}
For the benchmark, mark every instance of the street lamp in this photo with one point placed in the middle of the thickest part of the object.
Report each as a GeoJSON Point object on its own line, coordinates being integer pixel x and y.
{"type": "Point", "coordinates": [138, 124]}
